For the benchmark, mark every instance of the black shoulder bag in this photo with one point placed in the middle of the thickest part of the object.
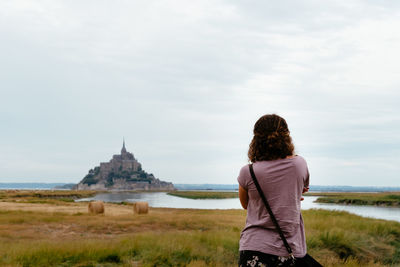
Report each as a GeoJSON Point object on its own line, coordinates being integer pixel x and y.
{"type": "Point", "coordinates": [307, 260]}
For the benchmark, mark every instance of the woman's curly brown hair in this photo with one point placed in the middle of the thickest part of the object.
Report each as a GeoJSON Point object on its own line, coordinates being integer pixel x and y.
{"type": "Point", "coordinates": [271, 139]}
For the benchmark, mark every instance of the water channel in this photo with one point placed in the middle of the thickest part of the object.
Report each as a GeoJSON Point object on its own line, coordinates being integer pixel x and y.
{"type": "Point", "coordinates": [163, 200]}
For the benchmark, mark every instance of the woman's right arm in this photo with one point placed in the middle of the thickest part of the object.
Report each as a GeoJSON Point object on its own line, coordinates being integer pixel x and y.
{"type": "Point", "coordinates": [244, 197]}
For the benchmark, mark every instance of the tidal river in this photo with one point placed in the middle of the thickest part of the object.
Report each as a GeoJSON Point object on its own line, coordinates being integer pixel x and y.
{"type": "Point", "coordinates": [163, 200]}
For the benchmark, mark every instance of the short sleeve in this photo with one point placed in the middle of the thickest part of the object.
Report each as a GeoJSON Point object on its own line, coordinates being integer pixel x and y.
{"type": "Point", "coordinates": [307, 179]}
{"type": "Point", "coordinates": [306, 176]}
{"type": "Point", "coordinates": [243, 178]}
{"type": "Point", "coordinates": [302, 169]}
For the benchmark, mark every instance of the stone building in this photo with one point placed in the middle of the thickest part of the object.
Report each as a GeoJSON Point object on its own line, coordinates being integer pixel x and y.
{"type": "Point", "coordinates": [122, 172]}
{"type": "Point", "coordinates": [125, 161]}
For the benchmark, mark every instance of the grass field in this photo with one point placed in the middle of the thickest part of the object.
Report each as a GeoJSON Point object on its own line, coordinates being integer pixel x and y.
{"type": "Point", "coordinates": [204, 194]}
{"type": "Point", "coordinates": [379, 199]}
{"type": "Point", "coordinates": [44, 196]}
{"type": "Point", "coordinates": [64, 234]}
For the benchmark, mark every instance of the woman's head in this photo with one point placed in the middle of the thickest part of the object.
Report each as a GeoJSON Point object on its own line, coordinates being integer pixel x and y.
{"type": "Point", "coordinates": [271, 139]}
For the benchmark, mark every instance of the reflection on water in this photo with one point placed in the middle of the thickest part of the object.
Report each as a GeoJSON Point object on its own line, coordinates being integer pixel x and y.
{"type": "Point", "coordinates": [162, 200]}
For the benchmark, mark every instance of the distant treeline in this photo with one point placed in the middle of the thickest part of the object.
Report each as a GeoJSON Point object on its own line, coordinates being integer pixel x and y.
{"type": "Point", "coordinates": [206, 186]}
{"type": "Point", "coordinates": [315, 188]}
{"type": "Point", "coordinates": [31, 185]}
{"type": "Point", "coordinates": [222, 187]}
{"type": "Point", "coordinates": [342, 188]}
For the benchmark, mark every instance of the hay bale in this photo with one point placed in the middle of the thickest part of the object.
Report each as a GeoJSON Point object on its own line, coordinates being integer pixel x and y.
{"type": "Point", "coordinates": [141, 207]}
{"type": "Point", "coordinates": [96, 207]}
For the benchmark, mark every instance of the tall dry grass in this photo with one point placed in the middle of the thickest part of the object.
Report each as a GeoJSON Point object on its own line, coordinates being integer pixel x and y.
{"type": "Point", "coordinates": [179, 237]}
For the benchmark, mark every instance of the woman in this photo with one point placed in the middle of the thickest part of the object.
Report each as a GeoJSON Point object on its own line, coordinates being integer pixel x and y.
{"type": "Point", "coordinates": [283, 177]}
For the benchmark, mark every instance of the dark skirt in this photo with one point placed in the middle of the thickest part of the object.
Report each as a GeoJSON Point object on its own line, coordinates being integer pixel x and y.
{"type": "Point", "coordinates": [249, 258]}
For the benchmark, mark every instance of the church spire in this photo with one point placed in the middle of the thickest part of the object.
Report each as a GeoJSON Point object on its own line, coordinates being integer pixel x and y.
{"type": "Point", "coordinates": [123, 150]}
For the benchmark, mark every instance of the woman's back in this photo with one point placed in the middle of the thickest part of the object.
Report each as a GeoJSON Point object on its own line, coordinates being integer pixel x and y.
{"type": "Point", "coordinates": [282, 182]}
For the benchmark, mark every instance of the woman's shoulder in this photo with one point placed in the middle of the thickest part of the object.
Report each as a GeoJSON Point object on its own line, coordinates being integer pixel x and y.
{"type": "Point", "coordinates": [244, 170]}
{"type": "Point", "coordinates": [244, 176]}
{"type": "Point", "coordinates": [300, 163]}
{"type": "Point", "coordinates": [299, 159]}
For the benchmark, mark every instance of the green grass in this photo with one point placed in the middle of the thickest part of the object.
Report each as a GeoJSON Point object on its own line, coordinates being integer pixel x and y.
{"type": "Point", "coordinates": [165, 249]}
{"type": "Point", "coordinates": [352, 237]}
{"type": "Point", "coordinates": [204, 194]}
{"type": "Point", "coordinates": [378, 199]}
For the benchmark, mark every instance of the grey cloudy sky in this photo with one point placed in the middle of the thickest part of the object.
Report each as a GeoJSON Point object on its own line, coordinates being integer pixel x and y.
{"type": "Point", "coordinates": [184, 82]}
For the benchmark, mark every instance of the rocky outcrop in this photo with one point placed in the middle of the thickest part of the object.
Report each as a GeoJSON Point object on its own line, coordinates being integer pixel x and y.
{"type": "Point", "coordinates": [122, 172]}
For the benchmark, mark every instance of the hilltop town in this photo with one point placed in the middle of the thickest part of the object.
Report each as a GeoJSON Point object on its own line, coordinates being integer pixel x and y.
{"type": "Point", "coordinates": [122, 172]}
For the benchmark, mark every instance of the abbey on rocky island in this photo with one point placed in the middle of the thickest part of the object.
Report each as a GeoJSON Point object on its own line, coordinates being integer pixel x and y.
{"type": "Point", "coordinates": [122, 172]}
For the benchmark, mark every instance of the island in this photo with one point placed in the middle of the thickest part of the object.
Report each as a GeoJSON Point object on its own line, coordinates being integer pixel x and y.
{"type": "Point", "coordinates": [358, 198]}
{"type": "Point", "coordinates": [124, 173]}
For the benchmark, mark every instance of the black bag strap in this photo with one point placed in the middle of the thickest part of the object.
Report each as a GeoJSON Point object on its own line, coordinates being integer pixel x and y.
{"type": "Point", "coordinates": [288, 248]}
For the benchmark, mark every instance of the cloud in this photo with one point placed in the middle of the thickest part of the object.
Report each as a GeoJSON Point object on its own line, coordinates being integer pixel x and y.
{"type": "Point", "coordinates": [185, 81]}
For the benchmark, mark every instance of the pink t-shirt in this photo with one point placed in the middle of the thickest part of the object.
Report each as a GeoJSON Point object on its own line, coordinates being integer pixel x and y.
{"type": "Point", "coordinates": [282, 182]}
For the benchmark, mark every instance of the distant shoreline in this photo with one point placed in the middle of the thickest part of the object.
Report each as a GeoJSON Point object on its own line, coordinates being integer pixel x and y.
{"type": "Point", "coordinates": [209, 187]}
{"type": "Point", "coordinates": [386, 199]}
